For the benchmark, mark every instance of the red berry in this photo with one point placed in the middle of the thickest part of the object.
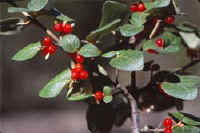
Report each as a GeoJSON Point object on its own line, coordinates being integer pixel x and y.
{"type": "Point", "coordinates": [78, 67]}
{"type": "Point", "coordinates": [72, 55]}
{"type": "Point", "coordinates": [79, 58]}
{"type": "Point", "coordinates": [58, 27]}
{"type": "Point", "coordinates": [67, 28]}
{"type": "Point", "coordinates": [152, 51]}
{"type": "Point", "coordinates": [51, 49]}
{"type": "Point", "coordinates": [99, 95]}
{"type": "Point", "coordinates": [83, 75]}
{"type": "Point", "coordinates": [160, 42]}
{"type": "Point", "coordinates": [75, 75]}
{"type": "Point", "coordinates": [141, 7]}
{"type": "Point", "coordinates": [168, 123]}
{"type": "Point", "coordinates": [47, 41]}
{"type": "Point", "coordinates": [134, 8]}
{"type": "Point", "coordinates": [169, 20]}
{"type": "Point", "coordinates": [168, 130]}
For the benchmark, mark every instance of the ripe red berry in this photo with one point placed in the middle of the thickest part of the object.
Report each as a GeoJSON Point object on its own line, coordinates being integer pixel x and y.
{"type": "Point", "coordinates": [168, 123]}
{"type": "Point", "coordinates": [67, 28]}
{"type": "Point", "coordinates": [83, 75]}
{"type": "Point", "coordinates": [58, 27]}
{"type": "Point", "coordinates": [134, 8]}
{"type": "Point", "coordinates": [168, 130]}
{"type": "Point", "coordinates": [72, 55]}
{"type": "Point", "coordinates": [160, 42]}
{"type": "Point", "coordinates": [75, 75]}
{"type": "Point", "coordinates": [79, 58]}
{"type": "Point", "coordinates": [51, 49]}
{"type": "Point", "coordinates": [141, 7]}
{"type": "Point", "coordinates": [169, 20]}
{"type": "Point", "coordinates": [47, 41]}
{"type": "Point", "coordinates": [152, 51]}
{"type": "Point", "coordinates": [78, 67]}
{"type": "Point", "coordinates": [99, 96]}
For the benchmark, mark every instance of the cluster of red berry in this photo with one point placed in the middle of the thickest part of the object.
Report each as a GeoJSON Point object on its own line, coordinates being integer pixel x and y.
{"type": "Point", "coordinates": [62, 28]}
{"type": "Point", "coordinates": [99, 95]}
{"type": "Point", "coordinates": [48, 46]}
{"type": "Point", "coordinates": [138, 7]}
{"type": "Point", "coordinates": [168, 123]}
{"type": "Point", "coordinates": [78, 72]}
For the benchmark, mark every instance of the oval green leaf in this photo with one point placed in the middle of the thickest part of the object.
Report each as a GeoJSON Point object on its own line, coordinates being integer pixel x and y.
{"type": "Point", "coordinates": [56, 85]}
{"type": "Point", "coordinates": [107, 90]}
{"type": "Point", "coordinates": [27, 52]}
{"type": "Point", "coordinates": [79, 96]}
{"type": "Point", "coordinates": [37, 5]}
{"type": "Point", "coordinates": [108, 99]}
{"type": "Point", "coordinates": [128, 60]}
{"type": "Point", "coordinates": [89, 50]}
{"type": "Point", "coordinates": [70, 43]}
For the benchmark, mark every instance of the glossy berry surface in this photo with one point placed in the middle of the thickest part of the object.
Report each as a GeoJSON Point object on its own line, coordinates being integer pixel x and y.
{"type": "Point", "coordinates": [78, 67]}
{"type": "Point", "coordinates": [58, 27]}
{"type": "Point", "coordinates": [152, 51]}
{"type": "Point", "coordinates": [141, 7]}
{"type": "Point", "coordinates": [168, 123]}
{"type": "Point", "coordinates": [169, 20]}
{"type": "Point", "coordinates": [160, 42]}
{"type": "Point", "coordinates": [67, 28]}
{"type": "Point", "coordinates": [75, 75]}
{"type": "Point", "coordinates": [133, 8]}
{"type": "Point", "coordinates": [83, 75]}
{"type": "Point", "coordinates": [79, 58]}
{"type": "Point", "coordinates": [47, 41]}
{"type": "Point", "coordinates": [99, 96]}
{"type": "Point", "coordinates": [51, 49]}
{"type": "Point", "coordinates": [168, 130]}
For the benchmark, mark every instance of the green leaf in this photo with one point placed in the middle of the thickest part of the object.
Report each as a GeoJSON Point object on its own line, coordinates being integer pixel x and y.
{"type": "Point", "coordinates": [107, 90]}
{"type": "Point", "coordinates": [99, 33]}
{"type": "Point", "coordinates": [186, 129]}
{"type": "Point", "coordinates": [172, 44]}
{"type": "Point", "coordinates": [109, 54]}
{"type": "Point", "coordinates": [128, 30]}
{"type": "Point", "coordinates": [112, 10]}
{"type": "Point", "coordinates": [108, 99]}
{"type": "Point", "coordinates": [37, 5]}
{"type": "Point", "coordinates": [180, 116]}
{"type": "Point", "coordinates": [15, 10]}
{"type": "Point", "coordinates": [79, 96]}
{"type": "Point", "coordinates": [102, 70]}
{"type": "Point", "coordinates": [150, 4]}
{"type": "Point", "coordinates": [27, 52]}
{"type": "Point", "coordinates": [69, 91]}
{"type": "Point", "coordinates": [191, 39]}
{"type": "Point", "coordinates": [70, 43]}
{"type": "Point", "coordinates": [56, 85]}
{"type": "Point", "coordinates": [89, 50]}
{"type": "Point", "coordinates": [138, 19]}
{"type": "Point", "coordinates": [64, 18]}
{"type": "Point", "coordinates": [128, 60]}
{"type": "Point", "coordinates": [187, 88]}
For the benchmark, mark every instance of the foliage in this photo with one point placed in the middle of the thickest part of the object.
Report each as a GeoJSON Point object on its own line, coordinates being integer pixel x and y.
{"type": "Point", "coordinates": [136, 32]}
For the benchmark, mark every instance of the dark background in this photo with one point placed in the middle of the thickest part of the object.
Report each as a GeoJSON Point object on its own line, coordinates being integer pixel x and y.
{"type": "Point", "coordinates": [22, 110]}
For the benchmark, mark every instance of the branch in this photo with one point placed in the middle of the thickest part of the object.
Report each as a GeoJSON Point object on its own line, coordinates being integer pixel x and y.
{"type": "Point", "coordinates": [155, 29]}
{"type": "Point", "coordinates": [152, 130]}
{"type": "Point", "coordinates": [191, 64]}
{"type": "Point", "coordinates": [134, 110]}
{"type": "Point", "coordinates": [36, 22]}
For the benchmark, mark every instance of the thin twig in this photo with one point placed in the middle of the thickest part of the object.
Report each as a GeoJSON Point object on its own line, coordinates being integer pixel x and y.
{"type": "Point", "coordinates": [152, 130]}
{"type": "Point", "coordinates": [155, 29]}
{"type": "Point", "coordinates": [36, 22]}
